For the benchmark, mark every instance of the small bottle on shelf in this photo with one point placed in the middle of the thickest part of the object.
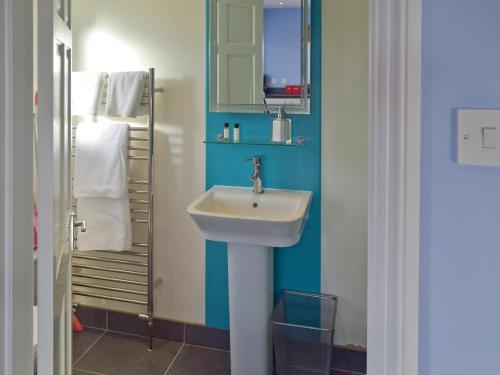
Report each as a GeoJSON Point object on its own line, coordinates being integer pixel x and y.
{"type": "Point", "coordinates": [226, 132]}
{"type": "Point", "coordinates": [236, 133]}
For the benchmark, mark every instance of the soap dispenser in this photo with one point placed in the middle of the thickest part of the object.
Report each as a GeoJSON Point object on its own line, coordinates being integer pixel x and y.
{"type": "Point", "coordinates": [282, 128]}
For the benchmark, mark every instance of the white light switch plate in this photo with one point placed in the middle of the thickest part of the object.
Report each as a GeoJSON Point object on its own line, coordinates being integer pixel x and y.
{"type": "Point", "coordinates": [478, 140]}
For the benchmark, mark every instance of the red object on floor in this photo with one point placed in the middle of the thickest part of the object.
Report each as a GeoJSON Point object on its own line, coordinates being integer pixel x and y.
{"type": "Point", "coordinates": [77, 325]}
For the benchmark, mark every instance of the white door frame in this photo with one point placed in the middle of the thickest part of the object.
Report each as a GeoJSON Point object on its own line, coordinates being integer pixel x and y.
{"type": "Point", "coordinates": [394, 187]}
{"type": "Point", "coordinates": [16, 187]}
{"type": "Point", "coordinates": [394, 175]}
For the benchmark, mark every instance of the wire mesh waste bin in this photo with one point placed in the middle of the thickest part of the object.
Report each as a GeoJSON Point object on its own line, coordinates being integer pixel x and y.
{"type": "Point", "coordinates": [303, 327]}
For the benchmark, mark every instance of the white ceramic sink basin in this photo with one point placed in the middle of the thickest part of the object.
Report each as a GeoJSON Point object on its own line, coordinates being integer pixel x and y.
{"type": "Point", "coordinates": [236, 215]}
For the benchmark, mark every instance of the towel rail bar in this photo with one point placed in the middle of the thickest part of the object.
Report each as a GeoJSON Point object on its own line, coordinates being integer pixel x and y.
{"type": "Point", "coordinates": [131, 128]}
{"type": "Point", "coordinates": [134, 191]}
{"type": "Point", "coordinates": [109, 269]}
{"type": "Point", "coordinates": [102, 296]}
{"type": "Point", "coordinates": [140, 221]}
{"type": "Point", "coordinates": [113, 279]}
{"type": "Point", "coordinates": [131, 157]}
{"type": "Point", "coordinates": [141, 139]}
{"type": "Point", "coordinates": [139, 201]}
{"type": "Point", "coordinates": [110, 260]}
{"type": "Point", "coordinates": [110, 288]}
{"type": "Point", "coordinates": [129, 253]}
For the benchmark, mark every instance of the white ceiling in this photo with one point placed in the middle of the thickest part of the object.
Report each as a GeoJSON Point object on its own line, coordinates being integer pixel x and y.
{"type": "Point", "coordinates": [286, 3]}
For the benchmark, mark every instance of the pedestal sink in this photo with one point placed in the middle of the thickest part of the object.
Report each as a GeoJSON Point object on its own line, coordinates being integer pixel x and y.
{"type": "Point", "coordinates": [251, 225]}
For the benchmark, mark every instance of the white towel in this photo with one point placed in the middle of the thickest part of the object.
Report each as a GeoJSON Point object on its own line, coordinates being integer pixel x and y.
{"type": "Point", "coordinates": [109, 225]}
{"type": "Point", "coordinates": [125, 90]}
{"type": "Point", "coordinates": [86, 93]}
{"type": "Point", "coordinates": [101, 164]}
{"type": "Point", "coordinates": [101, 186]}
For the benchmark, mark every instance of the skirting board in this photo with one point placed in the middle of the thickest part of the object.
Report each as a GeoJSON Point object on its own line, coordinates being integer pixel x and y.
{"type": "Point", "coordinates": [344, 361]}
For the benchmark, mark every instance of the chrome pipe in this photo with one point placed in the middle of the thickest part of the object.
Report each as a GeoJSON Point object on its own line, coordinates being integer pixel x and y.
{"type": "Point", "coordinates": [109, 260]}
{"type": "Point", "coordinates": [102, 296]}
{"type": "Point", "coordinates": [113, 279]}
{"type": "Point", "coordinates": [110, 288]}
{"type": "Point", "coordinates": [151, 198]}
{"type": "Point", "coordinates": [108, 269]}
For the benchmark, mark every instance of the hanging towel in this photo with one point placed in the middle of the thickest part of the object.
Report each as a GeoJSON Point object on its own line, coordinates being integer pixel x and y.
{"type": "Point", "coordinates": [101, 186]}
{"type": "Point", "coordinates": [86, 93]}
{"type": "Point", "coordinates": [101, 161]}
{"type": "Point", "coordinates": [125, 90]}
{"type": "Point", "coordinates": [109, 225]}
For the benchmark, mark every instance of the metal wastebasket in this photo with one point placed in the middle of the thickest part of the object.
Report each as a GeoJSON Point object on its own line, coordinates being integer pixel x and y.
{"type": "Point", "coordinates": [303, 328]}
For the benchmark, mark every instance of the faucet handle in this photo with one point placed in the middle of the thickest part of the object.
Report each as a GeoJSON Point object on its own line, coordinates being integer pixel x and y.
{"type": "Point", "coordinates": [257, 160]}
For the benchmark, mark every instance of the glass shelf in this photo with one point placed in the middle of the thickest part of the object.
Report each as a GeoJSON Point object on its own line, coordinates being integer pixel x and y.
{"type": "Point", "coordinates": [296, 142]}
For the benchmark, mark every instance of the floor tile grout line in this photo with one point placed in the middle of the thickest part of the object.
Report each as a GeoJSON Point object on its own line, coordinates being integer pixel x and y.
{"type": "Point", "coordinates": [173, 360]}
{"type": "Point", "coordinates": [89, 348]}
{"type": "Point", "coordinates": [93, 327]}
{"type": "Point", "coordinates": [208, 347]}
{"type": "Point", "coordinates": [140, 336]}
{"type": "Point", "coordinates": [88, 371]}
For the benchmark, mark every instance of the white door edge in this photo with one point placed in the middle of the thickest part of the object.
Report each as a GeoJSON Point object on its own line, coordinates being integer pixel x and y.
{"type": "Point", "coordinates": [16, 210]}
{"type": "Point", "coordinates": [394, 187]}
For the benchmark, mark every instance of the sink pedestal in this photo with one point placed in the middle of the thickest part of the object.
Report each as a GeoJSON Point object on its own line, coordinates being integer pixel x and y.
{"type": "Point", "coordinates": [250, 270]}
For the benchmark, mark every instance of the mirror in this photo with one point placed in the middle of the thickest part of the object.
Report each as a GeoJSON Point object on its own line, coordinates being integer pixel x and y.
{"type": "Point", "coordinates": [259, 55]}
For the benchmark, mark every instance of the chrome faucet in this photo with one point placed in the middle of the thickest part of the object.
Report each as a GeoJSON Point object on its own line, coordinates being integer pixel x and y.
{"type": "Point", "coordinates": [257, 174]}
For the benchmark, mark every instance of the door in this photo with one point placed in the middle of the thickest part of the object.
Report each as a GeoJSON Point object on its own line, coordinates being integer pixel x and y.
{"type": "Point", "coordinates": [240, 51]}
{"type": "Point", "coordinates": [55, 210]}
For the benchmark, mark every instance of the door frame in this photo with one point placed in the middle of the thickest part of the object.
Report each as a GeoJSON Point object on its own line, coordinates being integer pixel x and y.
{"type": "Point", "coordinates": [394, 186]}
{"type": "Point", "coordinates": [16, 191]}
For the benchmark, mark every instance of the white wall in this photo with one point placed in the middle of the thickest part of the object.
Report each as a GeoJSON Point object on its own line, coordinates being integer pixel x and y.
{"type": "Point", "coordinates": [169, 36]}
{"type": "Point", "coordinates": [345, 163]}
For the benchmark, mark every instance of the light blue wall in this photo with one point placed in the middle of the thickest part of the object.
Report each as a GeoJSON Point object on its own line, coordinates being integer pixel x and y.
{"type": "Point", "coordinates": [282, 47]}
{"type": "Point", "coordinates": [284, 167]}
{"type": "Point", "coordinates": [460, 270]}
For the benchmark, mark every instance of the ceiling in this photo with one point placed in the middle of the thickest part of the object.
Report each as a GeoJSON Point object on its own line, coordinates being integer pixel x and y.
{"type": "Point", "coordinates": [285, 3]}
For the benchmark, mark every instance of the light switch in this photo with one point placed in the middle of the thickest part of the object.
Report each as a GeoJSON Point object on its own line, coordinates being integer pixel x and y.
{"type": "Point", "coordinates": [477, 137]}
{"type": "Point", "coordinates": [489, 137]}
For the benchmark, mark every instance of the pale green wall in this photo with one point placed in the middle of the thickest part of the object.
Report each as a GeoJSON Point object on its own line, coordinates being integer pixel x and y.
{"type": "Point", "coordinates": [345, 163]}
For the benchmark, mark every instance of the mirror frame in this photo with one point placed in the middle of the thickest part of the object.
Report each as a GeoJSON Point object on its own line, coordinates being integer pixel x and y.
{"type": "Point", "coordinates": [305, 100]}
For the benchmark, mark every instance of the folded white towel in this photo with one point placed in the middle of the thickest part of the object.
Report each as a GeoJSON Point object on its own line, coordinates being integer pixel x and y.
{"type": "Point", "coordinates": [86, 93]}
{"type": "Point", "coordinates": [109, 225]}
{"type": "Point", "coordinates": [101, 164]}
{"type": "Point", "coordinates": [125, 90]}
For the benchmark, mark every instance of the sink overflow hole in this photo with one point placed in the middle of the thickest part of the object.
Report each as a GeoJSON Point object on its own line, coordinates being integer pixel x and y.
{"type": "Point", "coordinates": [255, 205]}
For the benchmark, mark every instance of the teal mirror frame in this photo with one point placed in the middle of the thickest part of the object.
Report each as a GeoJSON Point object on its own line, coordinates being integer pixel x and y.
{"type": "Point", "coordinates": [305, 99]}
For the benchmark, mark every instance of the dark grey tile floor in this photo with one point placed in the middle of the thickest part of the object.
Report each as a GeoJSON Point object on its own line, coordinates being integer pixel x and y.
{"type": "Point", "coordinates": [98, 352]}
{"type": "Point", "coordinates": [105, 353]}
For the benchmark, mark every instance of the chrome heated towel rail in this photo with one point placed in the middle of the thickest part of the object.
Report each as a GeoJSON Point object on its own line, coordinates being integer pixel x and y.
{"type": "Point", "coordinates": [123, 281]}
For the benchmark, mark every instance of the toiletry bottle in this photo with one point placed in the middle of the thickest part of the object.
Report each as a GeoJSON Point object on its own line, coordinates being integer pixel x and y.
{"type": "Point", "coordinates": [226, 132]}
{"type": "Point", "coordinates": [282, 128]}
{"type": "Point", "coordinates": [236, 133]}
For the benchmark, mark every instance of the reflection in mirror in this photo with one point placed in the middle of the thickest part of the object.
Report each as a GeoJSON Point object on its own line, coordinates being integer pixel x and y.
{"type": "Point", "coordinates": [259, 55]}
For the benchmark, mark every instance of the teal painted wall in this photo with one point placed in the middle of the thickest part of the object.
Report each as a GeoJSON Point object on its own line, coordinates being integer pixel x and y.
{"type": "Point", "coordinates": [298, 267]}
